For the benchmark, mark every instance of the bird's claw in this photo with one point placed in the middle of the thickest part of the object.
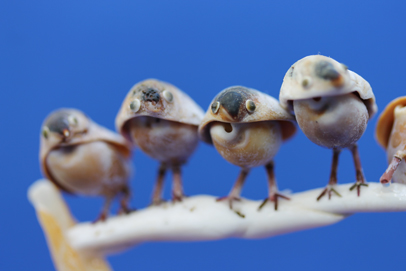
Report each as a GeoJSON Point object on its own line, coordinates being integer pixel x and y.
{"type": "Point", "coordinates": [177, 198]}
{"type": "Point", "coordinates": [328, 190]}
{"type": "Point", "coordinates": [230, 200]}
{"type": "Point", "coordinates": [358, 186]}
{"type": "Point", "coordinates": [273, 198]}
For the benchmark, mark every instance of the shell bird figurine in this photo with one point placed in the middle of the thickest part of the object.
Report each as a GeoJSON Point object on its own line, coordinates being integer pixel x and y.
{"type": "Point", "coordinates": [247, 128]}
{"type": "Point", "coordinates": [162, 121]}
{"type": "Point", "coordinates": [332, 106]}
{"type": "Point", "coordinates": [391, 135]}
{"type": "Point", "coordinates": [81, 157]}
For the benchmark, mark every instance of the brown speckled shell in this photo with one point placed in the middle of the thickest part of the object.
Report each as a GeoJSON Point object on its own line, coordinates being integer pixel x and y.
{"type": "Point", "coordinates": [386, 120]}
{"type": "Point", "coordinates": [94, 132]}
{"type": "Point", "coordinates": [267, 109]}
{"type": "Point", "coordinates": [348, 82]}
{"type": "Point", "coordinates": [182, 109]}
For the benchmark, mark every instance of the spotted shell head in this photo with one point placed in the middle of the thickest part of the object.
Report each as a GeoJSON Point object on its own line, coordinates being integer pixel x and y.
{"type": "Point", "coordinates": [158, 99]}
{"type": "Point", "coordinates": [69, 127]}
{"type": "Point", "coordinates": [386, 121]}
{"type": "Point", "coordinates": [318, 76]}
{"type": "Point", "coordinates": [239, 104]}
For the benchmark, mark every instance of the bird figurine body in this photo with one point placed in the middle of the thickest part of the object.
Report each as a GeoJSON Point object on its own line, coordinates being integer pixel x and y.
{"type": "Point", "coordinates": [391, 135]}
{"type": "Point", "coordinates": [332, 106]}
{"type": "Point", "coordinates": [247, 128]}
{"type": "Point", "coordinates": [81, 157]}
{"type": "Point", "coordinates": [162, 121]}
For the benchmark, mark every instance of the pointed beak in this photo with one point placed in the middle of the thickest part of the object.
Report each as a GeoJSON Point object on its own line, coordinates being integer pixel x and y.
{"type": "Point", "coordinates": [231, 102]}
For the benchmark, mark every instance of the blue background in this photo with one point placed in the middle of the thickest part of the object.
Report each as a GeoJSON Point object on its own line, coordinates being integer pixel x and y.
{"type": "Point", "coordinates": [88, 54]}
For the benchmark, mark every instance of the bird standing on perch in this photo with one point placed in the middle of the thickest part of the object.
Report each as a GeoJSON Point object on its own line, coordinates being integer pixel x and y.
{"type": "Point", "coordinates": [162, 121]}
{"type": "Point", "coordinates": [81, 157]}
{"type": "Point", "coordinates": [247, 128]}
{"type": "Point", "coordinates": [332, 106]}
{"type": "Point", "coordinates": [391, 135]}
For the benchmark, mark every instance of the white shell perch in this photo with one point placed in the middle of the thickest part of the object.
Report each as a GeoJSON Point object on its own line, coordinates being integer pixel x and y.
{"type": "Point", "coordinates": [200, 218]}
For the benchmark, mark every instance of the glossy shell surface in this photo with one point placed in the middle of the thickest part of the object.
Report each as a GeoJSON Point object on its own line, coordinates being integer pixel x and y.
{"type": "Point", "coordinates": [248, 144]}
{"type": "Point", "coordinates": [158, 99]}
{"type": "Point", "coordinates": [332, 121]}
{"type": "Point", "coordinates": [85, 137]}
{"type": "Point", "coordinates": [267, 108]}
{"type": "Point", "coordinates": [319, 76]}
{"type": "Point", "coordinates": [395, 114]}
{"type": "Point", "coordinates": [386, 121]}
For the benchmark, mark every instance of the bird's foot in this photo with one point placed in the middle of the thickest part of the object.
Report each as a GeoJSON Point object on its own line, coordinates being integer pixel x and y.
{"type": "Point", "coordinates": [273, 198]}
{"type": "Point", "coordinates": [101, 218]}
{"type": "Point", "coordinates": [157, 202]}
{"type": "Point", "coordinates": [177, 197]}
{"type": "Point", "coordinates": [230, 200]}
{"type": "Point", "coordinates": [329, 190]}
{"type": "Point", "coordinates": [126, 210]}
{"type": "Point", "coordinates": [358, 185]}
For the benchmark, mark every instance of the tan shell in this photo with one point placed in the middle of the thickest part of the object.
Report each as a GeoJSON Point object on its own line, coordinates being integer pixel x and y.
{"type": "Point", "coordinates": [386, 120]}
{"type": "Point", "coordinates": [88, 131]}
{"type": "Point", "coordinates": [301, 82]}
{"type": "Point", "coordinates": [181, 109]}
{"type": "Point", "coordinates": [267, 109]}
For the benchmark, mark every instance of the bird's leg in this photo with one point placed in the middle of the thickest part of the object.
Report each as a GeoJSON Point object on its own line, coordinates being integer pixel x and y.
{"type": "Point", "coordinates": [333, 177]}
{"type": "Point", "coordinates": [273, 194]}
{"type": "Point", "coordinates": [124, 201]}
{"type": "Point", "coordinates": [105, 210]}
{"type": "Point", "coordinates": [236, 190]}
{"type": "Point", "coordinates": [358, 170]}
{"type": "Point", "coordinates": [157, 194]}
{"type": "Point", "coordinates": [177, 187]}
{"type": "Point", "coordinates": [387, 176]}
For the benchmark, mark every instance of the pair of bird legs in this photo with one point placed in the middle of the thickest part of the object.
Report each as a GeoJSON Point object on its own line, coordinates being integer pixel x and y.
{"type": "Point", "coordinates": [273, 194]}
{"type": "Point", "coordinates": [177, 188]}
{"type": "Point", "coordinates": [333, 175]}
{"type": "Point", "coordinates": [272, 188]}
{"type": "Point", "coordinates": [125, 198]}
{"type": "Point", "coordinates": [177, 193]}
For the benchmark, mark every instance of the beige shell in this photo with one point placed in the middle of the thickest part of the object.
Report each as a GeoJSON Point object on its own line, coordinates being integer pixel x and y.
{"type": "Point", "coordinates": [267, 109]}
{"type": "Point", "coordinates": [386, 120]}
{"type": "Point", "coordinates": [180, 108]}
{"type": "Point", "coordinates": [85, 131]}
{"type": "Point", "coordinates": [306, 79]}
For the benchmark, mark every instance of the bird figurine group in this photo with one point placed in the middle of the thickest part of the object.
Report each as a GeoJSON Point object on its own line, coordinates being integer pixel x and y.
{"type": "Point", "coordinates": [331, 105]}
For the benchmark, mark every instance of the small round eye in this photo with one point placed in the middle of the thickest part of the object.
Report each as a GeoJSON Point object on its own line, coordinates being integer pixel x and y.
{"type": "Point", "coordinates": [45, 132]}
{"type": "Point", "coordinates": [250, 105]}
{"type": "Point", "coordinates": [72, 120]}
{"type": "Point", "coordinates": [135, 105]}
{"type": "Point", "coordinates": [168, 95]}
{"type": "Point", "coordinates": [215, 107]}
{"type": "Point", "coordinates": [306, 82]}
{"type": "Point", "coordinates": [344, 66]}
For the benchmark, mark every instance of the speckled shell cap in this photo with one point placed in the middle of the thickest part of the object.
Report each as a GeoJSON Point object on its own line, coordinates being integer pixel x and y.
{"type": "Point", "coordinates": [168, 102]}
{"type": "Point", "coordinates": [318, 76]}
{"type": "Point", "coordinates": [386, 120]}
{"type": "Point", "coordinates": [89, 131]}
{"type": "Point", "coordinates": [267, 108]}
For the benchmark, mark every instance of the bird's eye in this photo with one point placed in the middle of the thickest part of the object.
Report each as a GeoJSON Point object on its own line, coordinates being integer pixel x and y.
{"type": "Point", "coordinates": [73, 120]}
{"type": "Point", "coordinates": [250, 105]}
{"type": "Point", "coordinates": [168, 95]}
{"type": "Point", "coordinates": [45, 132]}
{"type": "Point", "coordinates": [306, 82]}
{"type": "Point", "coordinates": [215, 107]}
{"type": "Point", "coordinates": [135, 105]}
